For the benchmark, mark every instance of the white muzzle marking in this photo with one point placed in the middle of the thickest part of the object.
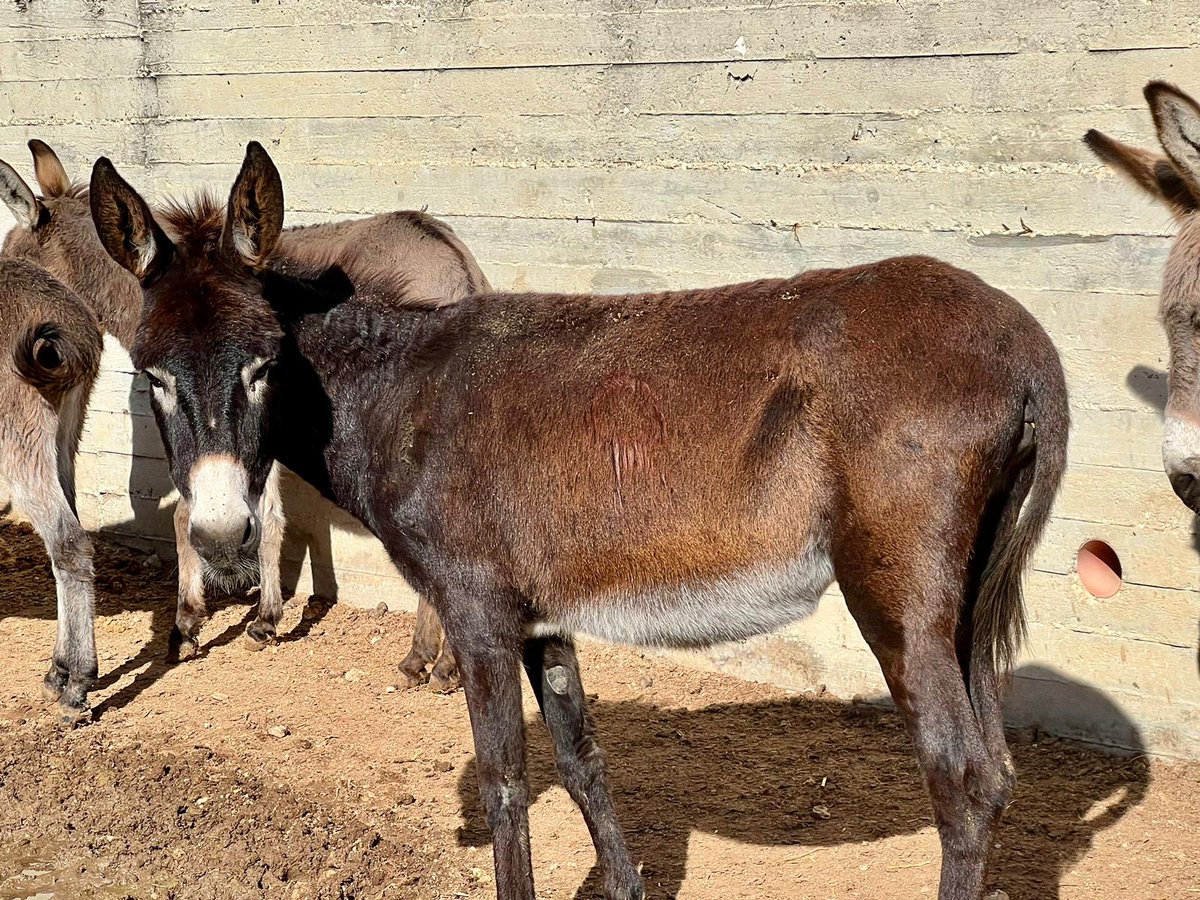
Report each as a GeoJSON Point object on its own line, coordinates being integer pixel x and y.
{"type": "Point", "coordinates": [1181, 444]}
{"type": "Point", "coordinates": [220, 488]}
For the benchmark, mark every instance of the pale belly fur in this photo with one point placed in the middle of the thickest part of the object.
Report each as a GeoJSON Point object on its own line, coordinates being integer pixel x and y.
{"type": "Point", "coordinates": [736, 606]}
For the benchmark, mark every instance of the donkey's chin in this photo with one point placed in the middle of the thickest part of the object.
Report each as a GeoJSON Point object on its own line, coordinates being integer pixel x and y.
{"type": "Point", "coordinates": [232, 573]}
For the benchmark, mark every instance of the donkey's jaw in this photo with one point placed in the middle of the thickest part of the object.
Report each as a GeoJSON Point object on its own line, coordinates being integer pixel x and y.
{"type": "Point", "coordinates": [224, 528]}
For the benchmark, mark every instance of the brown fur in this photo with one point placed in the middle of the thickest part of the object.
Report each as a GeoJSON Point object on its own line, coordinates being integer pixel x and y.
{"type": "Point", "coordinates": [670, 469]}
{"type": "Point", "coordinates": [420, 260]}
{"type": "Point", "coordinates": [50, 343]}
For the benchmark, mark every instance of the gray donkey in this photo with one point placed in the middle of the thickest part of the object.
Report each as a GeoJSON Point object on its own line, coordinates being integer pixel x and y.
{"type": "Point", "coordinates": [49, 357]}
{"type": "Point", "coordinates": [415, 251]}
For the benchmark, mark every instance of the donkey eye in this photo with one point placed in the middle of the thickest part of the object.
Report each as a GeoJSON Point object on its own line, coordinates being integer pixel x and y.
{"type": "Point", "coordinates": [155, 382]}
{"type": "Point", "coordinates": [262, 371]}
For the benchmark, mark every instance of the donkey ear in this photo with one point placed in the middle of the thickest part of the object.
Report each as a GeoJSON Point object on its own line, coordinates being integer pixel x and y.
{"type": "Point", "coordinates": [17, 196]}
{"type": "Point", "coordinates": [126, 226]}
{"type": "Point", "coordinates": [1177, 118]}
{"type": "Point", "coordinates": [254, 218]}
{"type": "Point", "coordinates": [51, 175]}
{"type": "Point", "coordinates": [1152, 172]}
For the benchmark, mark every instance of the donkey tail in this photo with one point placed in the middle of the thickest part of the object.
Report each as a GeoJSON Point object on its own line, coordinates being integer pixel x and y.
{"type": "Point", "coordinates": [55, 357]}
{"type": "Point", "coordinates": [1035, 473]}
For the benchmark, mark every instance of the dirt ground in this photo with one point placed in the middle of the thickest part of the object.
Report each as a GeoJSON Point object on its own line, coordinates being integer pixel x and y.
{"type": "Point", "coordinates": [305, 771]}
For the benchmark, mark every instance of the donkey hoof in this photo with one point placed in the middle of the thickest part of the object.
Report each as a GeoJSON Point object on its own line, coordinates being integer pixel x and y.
{"type": "Point", "coordinates": [260, 634]}
{"type": "Point", "coordinates": [444, 684]}
{"type": "Point", "coordinates": [74, 716]}
{"type": "Point", "coordinates": [182, 651]}
{"type": "Point", "coordinates": [180, 648]}
{"type": "Point", "coordinates": [415, 679]}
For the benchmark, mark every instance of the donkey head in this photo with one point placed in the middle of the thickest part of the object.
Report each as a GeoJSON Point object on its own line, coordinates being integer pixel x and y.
{"type": "Point", "coordinates": [55, 231]}
{"type": "Point", "coordinates": [1174, 179]}
{"type": "Point", "coordinates": [206, 342]}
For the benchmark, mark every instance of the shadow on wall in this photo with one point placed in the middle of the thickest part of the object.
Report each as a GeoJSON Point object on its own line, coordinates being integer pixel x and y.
{"type": "Point", "coordinates": [755, 772]}
{"type": "Point", "coordinates": [149, 482]}
{"type": "Point", "coordinates": [1151, 385]}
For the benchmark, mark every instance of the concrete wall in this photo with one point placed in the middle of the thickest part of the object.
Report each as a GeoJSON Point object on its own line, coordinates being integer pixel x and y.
{"type": "Point", "coordinates": [629, 144]}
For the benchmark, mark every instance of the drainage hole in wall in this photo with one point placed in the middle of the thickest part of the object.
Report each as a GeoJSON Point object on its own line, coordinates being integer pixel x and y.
{"type": "Point", "coordinates": [1099, 569]}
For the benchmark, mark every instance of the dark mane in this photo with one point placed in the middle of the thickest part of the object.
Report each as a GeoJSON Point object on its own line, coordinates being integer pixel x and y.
{"type": "Point", "coordinates": [194, 221]}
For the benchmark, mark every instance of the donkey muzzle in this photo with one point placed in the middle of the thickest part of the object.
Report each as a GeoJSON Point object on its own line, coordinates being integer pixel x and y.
{"type": "Point", "coordinates": [224, 528]}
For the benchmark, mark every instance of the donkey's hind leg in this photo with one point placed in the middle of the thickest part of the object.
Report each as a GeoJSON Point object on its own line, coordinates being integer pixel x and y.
{"type": "Point", "coordinates": [39, 492]}
{"type": "Point", "coordinates": [985, 682]}
{"type": "Point", "coordinates": [444, 677]}
{"type": "Point", "coordinates": [907, 608]}
{"type": "Point", "coordinates": [427, 639]}
{"type": "Point", "coordinates": [553, 670]}
{"type": "Point", "coordinates": [270, 592]}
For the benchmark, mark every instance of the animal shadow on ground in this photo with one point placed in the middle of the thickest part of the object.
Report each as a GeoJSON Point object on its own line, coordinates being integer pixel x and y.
{"type": "Point", "coordinates": [1151, 385]}
{"type": "Point", "coordinates": [124, 581]}
{"type": "Point", "coordinates": [755, 772]}
{"type": "Point", "coordinates": [149, 481]}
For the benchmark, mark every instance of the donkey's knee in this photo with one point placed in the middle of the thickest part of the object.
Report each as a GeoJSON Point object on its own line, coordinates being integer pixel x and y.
{"type": "Point", "coordinates": [70, 551]}
{"type": "Point", "coordinates": [504, 799]}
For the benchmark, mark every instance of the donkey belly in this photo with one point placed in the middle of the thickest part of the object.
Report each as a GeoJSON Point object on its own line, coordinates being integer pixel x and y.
{"type": "Point", "coordinates": [698, 613]}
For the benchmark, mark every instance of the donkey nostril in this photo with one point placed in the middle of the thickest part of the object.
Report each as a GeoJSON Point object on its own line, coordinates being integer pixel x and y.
{"type": "Point", "coordinates": [248, 534]}
{"type": "Point", "coordinates": [1187, 488]}
{"type": "Point", "coordinates": [1183, 483]}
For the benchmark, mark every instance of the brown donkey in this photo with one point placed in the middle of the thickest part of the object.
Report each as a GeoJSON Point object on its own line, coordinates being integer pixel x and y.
{"type": "Point", "coordinates": [423, 255]}
{"type": "Point", "coordinates": [672, 470]}
{"type": "Point", "coordinates": [1174, 179]}
{"type": "Point", "coordinates": [50, 343]}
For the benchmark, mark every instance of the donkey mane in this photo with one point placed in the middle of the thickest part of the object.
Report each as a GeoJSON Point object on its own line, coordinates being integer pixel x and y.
{"type": "Point", "coordinates": [76, 190]}
{"type": "Point", "coordinates": [193, 221]}
{"type": "Point", "coordinates": [196, 222]}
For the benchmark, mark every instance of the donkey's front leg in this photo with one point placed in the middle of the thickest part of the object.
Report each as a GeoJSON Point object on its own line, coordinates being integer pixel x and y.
{"type": "Point", "coordinates": [184, 642]}
{"type": "Point", "coordinates": [553, 672]}
{"type": "Point", "coordinates": [491, 674]}
{"type": "Point", "coordinates": [270, 592]}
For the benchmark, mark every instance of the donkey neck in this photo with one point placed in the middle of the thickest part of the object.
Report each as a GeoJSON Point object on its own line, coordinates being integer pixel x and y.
{"type": "Point", "coordinates": [115, 297]}
{"type": "Point", "coordinates": [1179, 306]}
{"type": "Point", "coordinates": [345, 388]}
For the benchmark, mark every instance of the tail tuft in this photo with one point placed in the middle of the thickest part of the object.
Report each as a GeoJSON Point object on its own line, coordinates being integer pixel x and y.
{"type": "Point", "coordinates": [999, 614]}
{"type": "Point", "coordinates": [54, 358]}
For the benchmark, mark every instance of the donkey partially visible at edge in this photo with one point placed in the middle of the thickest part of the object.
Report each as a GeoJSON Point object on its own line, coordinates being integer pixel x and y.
{"type": "Point", "coordinates": [424, 257]}
{"type": "Point", "coordinates": [51, 345]}
{"type": "Point", "coordinates": [672, 469]}
{"type": "Point", "coordinates": [1173, 179]}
